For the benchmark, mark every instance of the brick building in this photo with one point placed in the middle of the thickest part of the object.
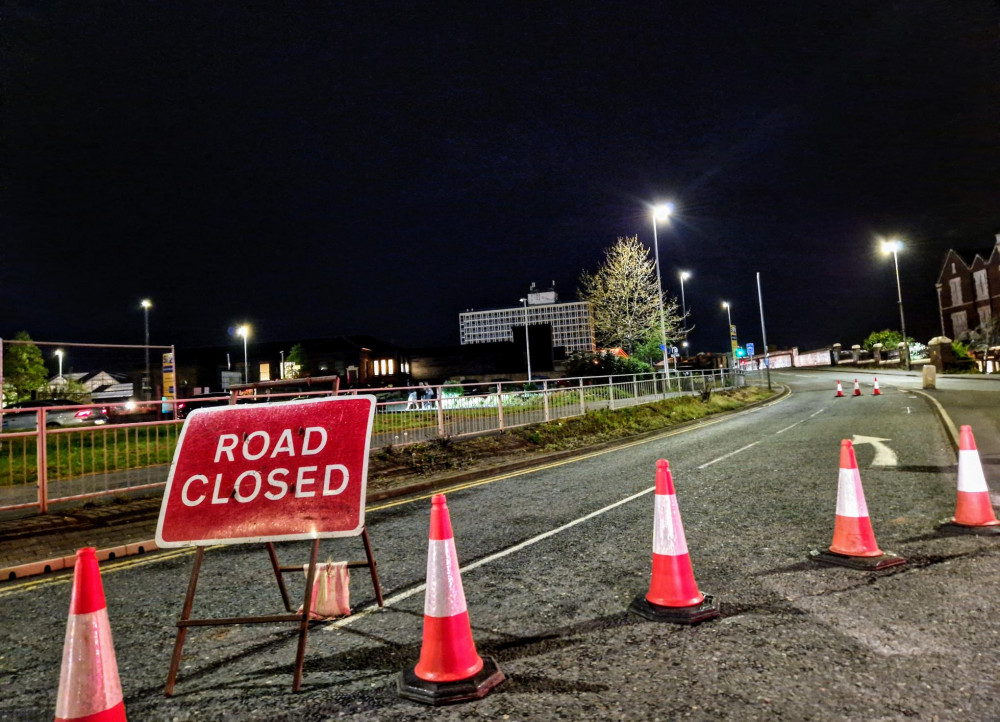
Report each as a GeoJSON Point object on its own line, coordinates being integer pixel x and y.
{"type": "Point", "coordinates": [969, 293]}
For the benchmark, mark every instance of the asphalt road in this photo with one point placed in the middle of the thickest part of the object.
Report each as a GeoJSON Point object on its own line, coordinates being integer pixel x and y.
{"type": "Point", "coordinates": [553, 558]}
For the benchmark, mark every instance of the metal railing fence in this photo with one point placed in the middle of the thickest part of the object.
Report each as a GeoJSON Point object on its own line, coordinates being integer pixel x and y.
{"type": "Point", "coordinates": [133, 449]}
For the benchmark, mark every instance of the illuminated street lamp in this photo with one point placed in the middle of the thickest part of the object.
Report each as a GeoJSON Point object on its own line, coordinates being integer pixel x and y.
{"type": "Point", "coordinates": [527, 344]}
{"type": "Point", "coordinates": [684, 276]}
{"type": "Point", "coordinates": [729, 317]}
{"type": "Point", "coordinates": [59, 355]}
{"type": "Point", "coordinates": [661, 213]}
{"type": "Point", "coordinates": [244, 331]}
{"type": "Point", "coordinates": [893, 246]}
{"type": "Point", "coordinates": [146, 380]}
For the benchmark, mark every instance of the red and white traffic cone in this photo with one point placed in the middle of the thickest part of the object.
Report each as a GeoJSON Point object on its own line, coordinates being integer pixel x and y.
{"type": "Point", "coordinates": [876, 391]}
{"type": "Point", "coordinates": [854, 542]}
{"type": "Point", "coordinates": [450, 669]}
{"type": "Point", "coordinates": [89, 687]}
{"type": "Point", "coordinates": [673, 593]}
{"type": "Point", "coordinates": [840, 391]}
{"type": "Point", "coordinates": [973, 511]}
{"type": "Point", "coordinates": [857, 388]}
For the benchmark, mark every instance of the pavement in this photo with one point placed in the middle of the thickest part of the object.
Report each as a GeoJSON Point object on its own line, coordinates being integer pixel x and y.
{"type": "Point", "coordinates": [48, 542]}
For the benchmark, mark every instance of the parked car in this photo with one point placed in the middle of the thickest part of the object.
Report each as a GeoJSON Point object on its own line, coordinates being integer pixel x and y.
{"type": "Point", "coordinates": [201, 401]}
{"type": "Point", "coordinates": [22, 416]}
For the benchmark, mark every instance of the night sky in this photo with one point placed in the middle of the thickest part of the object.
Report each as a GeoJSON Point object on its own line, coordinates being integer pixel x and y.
{"type": "Point", "coordinates": [343, 168]}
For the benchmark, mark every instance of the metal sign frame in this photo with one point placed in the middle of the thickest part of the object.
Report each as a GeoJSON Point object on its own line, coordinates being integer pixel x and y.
{"type": "Point", "coordinates": [303, 618]}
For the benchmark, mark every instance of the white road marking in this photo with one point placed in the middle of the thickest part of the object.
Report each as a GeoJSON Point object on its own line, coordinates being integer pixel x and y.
{"type": "Point", "coordinates": [798, 422]}
{"type": "Point", "coordinates": [726, 456]}
{"type": "Point", "coordinates": [396, 598]}
{"type": "Point", "coordinates": [884, 456]}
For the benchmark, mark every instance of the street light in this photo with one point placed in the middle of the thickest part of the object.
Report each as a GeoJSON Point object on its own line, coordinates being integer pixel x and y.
{"type": "Point", "coordinates": [244, 331]}
{"type": "Point", "coordinates": [146, 381]}
{"type": "Point", "coordinates": [527, 344]}
{"type": "Point", "coordinates": [729, 317]}
{"type": "Point", "coordinates": [59, 355]}
{"type": "Point", "coordinates": [661, 213]}
{"type": "Point", "coordinates": [684, 276]}
{"type": "Point", "coordinates": [893, 246]}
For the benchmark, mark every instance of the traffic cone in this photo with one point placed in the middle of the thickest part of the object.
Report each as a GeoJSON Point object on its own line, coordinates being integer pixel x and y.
{"type": "Point", "coordinates": [89, 687]}
{"type": "Point", "coordinates": [840, 391]}
{"type": "Point", "coordinates": [854, 542]}
{"type": "Point", "coordinates": [450, 669]}
{"type": "Point", "coordinates": [857, 388]}
{"type": "Point", "coordinates": [875, 391]}
{"type": "Point", "coordinates": [973, 511]}
{"type": "Point", "coordinates": [673, 593]}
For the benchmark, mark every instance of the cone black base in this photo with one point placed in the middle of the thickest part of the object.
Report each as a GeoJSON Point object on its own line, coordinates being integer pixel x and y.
{"type": "Point", "coordinates": [950, 527]}
{"type": "Point", "coordinates": [412, 687]}
{"type": "Point", "coordinates": [708, 609]}
{"type": "Point", "coordinates": [868, 564]}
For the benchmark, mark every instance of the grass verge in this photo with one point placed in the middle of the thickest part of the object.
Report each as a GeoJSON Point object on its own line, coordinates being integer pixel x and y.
{"type": "Point", "coordinates": [391, 465]}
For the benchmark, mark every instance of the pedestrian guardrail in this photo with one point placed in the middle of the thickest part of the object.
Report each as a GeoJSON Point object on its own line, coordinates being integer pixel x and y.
{"type": "Point", "coordinates": [133, 450]}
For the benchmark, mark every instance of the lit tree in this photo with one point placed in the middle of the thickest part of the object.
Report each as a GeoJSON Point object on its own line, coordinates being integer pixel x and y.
{"type": "Point", "coordinates": [623, 298]}
{"type": "Point", "coordinates": [24, 370]}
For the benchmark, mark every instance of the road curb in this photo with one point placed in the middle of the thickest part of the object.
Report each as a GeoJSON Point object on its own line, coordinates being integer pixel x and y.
{"type": "Point", "coordinates": [120, 551]}
{"type": "Point", "coordinates": [946, 422]}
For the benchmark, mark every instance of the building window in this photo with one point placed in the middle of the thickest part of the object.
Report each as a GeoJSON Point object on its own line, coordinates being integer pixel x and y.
{"type": "Point", "coordinates": [959, 324]}
{"type": "Point", "coordinates": [383, 365]}
{"type": "Point", "coordinates": [984, 315]}
{"type": "Point", "coordinates": [982, 287]}
{"type": "Point", "coordinates": [392, 367]}
{"type": "Point", "coordinates": [955, 286]}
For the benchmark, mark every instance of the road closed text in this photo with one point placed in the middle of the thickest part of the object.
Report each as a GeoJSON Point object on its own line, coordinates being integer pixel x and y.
{"type": "Point", "coordinates": [275, 483]}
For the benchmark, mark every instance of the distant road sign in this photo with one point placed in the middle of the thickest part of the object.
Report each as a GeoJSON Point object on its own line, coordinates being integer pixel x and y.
{"type": "Point", "coordinates": [269, 472]}
{"type": "Point", "coordinates": [750, 349]}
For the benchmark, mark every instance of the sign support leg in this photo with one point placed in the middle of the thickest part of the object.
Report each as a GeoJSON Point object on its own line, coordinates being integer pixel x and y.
{"type": "Point", "coordinates": [175, 661]}
{"type": "Point", "coordinates": [300, 655]}
{"type": "Point", "coordinates": [277, 573]}
{"type": "Point", "coordinates": [371, 565]}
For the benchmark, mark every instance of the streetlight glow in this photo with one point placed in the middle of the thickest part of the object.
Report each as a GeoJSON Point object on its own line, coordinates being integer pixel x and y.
{"type": "Point", "coordinates": [729, 317]}
{"type": "Point", "coordinates": [147, 379]}
{"type": "Point", "coordinates": [891, 246]}
{"type": "Point", "coordinates": [244, 331]}
{"type": "Point", "coordinates": [894, 246]}
{"type": "Point", "coordinates": [684, 314]}
{"type": "Point", "coordinates": [661, 212]}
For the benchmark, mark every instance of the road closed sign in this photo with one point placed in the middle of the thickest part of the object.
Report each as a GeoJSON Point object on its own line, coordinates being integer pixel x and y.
{"type": "Point", "coordinates": [269, 472]}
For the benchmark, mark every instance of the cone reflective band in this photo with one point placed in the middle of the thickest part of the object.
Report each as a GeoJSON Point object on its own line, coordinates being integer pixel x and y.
{"type": "Point", "coordinates": [973, 507]}
{"type": "Point", "coordinates": [89, 686]}
{"type": "Point", "coordinates": [448, 652]}
{"type": "Point", "coordinates": [852, 531]}
{"type": "Point", "coordinates": [673, 583]}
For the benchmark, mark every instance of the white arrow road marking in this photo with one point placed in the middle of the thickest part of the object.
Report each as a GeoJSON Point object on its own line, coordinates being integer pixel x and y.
{"type": "Point", "coordinates": [884, 456]}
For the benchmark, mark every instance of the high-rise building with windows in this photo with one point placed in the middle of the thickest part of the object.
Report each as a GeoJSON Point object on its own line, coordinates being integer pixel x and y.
{"type": "Point", "coordinates": [572, 323]}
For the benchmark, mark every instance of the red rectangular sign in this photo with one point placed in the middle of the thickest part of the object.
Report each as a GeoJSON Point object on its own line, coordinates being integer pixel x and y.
{"type": "Point", "coordinates": [269, 472]}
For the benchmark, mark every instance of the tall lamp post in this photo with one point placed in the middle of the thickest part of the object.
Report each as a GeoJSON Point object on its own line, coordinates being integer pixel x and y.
{"type": "Point", "coordinates": [893, 246]}
{"type": "Point", "coordinates": [684, 276]}
{"type": "Point", "coordinates": [729, 329]}
{"type": "Point", "coordinates": [59, 355]}
{"type": "Point", "coordinates": [661, 213]}
{"type": "Point", "coordinates": [527, 344]}
{"type": "Point", "coordinates": [244, 331]}
{"type": "Point", "coordinates": [147, 379]}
